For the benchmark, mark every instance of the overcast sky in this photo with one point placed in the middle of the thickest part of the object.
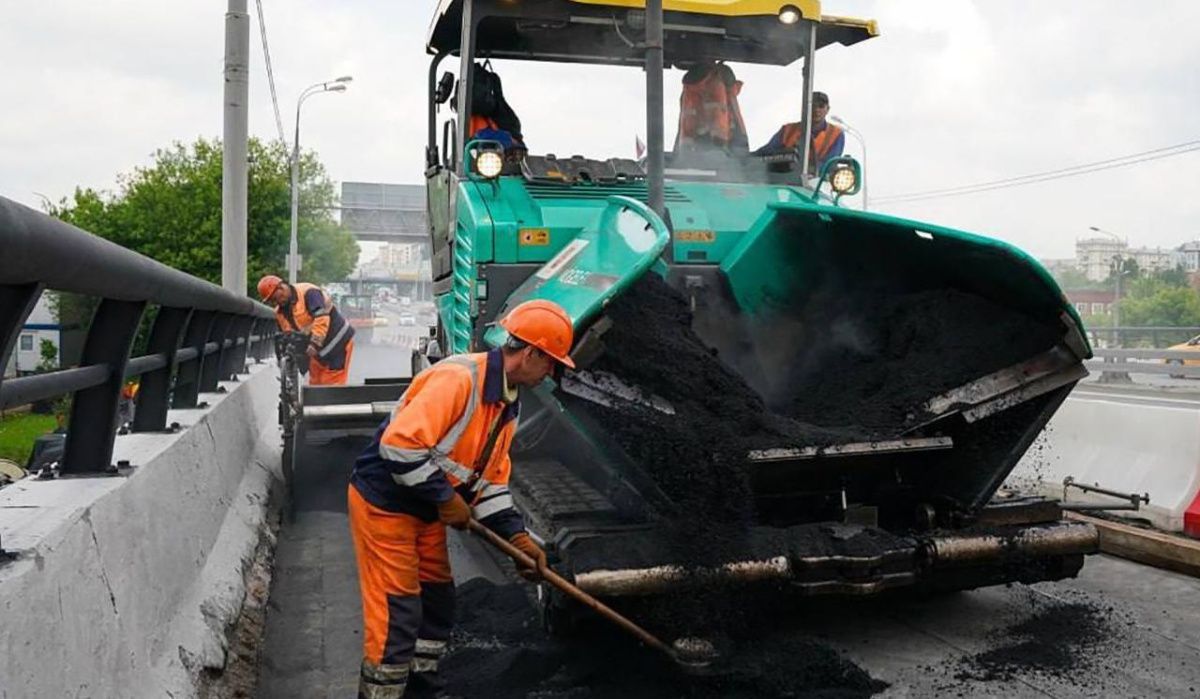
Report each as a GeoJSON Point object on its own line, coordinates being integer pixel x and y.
{"type": "Point", "coordinates": [952, 92]}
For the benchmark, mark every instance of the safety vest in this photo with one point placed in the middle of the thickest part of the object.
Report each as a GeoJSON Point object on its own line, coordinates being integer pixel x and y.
{"type": "Point", "coordinates": [708, 110]}
{"type": "Point", "coordinates": [479, 123]}
{"type": "Point", "coordinates": [453, 424]}
{"type": "Point", "coordinates": [822, 142]}
{"type": "Point", "coordinates": [312, 311]}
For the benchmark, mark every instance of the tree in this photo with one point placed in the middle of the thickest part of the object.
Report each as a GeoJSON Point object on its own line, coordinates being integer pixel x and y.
{"type": "Point", "coordinates": [171, 212]}
{"type": "Point", "coordinates": [49, 355]}
{"type": "Point", "coordinates": [1161, 305]}
{"type": "Point", "coordinates": [1075, 280]}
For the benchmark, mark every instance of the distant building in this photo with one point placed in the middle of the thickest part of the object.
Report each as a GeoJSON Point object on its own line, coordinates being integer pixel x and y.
{"type": "Point", "coordinates": [1095, 257]}
{"type": "Point", "coordinates": [40, 325]}
{"type": "Point", "coordinates": [1189, 255]}
{"type": "Point", "coordinates": [1151, 260]}
{"type": "Point", "coordinates": [1092, 302]}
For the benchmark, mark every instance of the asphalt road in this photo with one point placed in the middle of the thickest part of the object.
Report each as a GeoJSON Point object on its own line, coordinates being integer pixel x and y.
{"type": "Point", "coordinates": [1151, 618]}
{"type": "Point", "coordinates": [1151, 643]}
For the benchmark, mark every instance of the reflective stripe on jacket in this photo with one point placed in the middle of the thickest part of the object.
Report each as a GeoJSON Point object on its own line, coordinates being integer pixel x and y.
{"type": "Point", "coordinates": [708, 109]}
{"type": "Point", "coordinates": [825, 143]}
{"type": "Point", "coordinates": [450, 431]}
{"type": "Point", "coordinates": [312, 311]}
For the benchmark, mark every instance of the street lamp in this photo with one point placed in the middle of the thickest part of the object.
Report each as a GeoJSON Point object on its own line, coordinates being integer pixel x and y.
{"type": "Point", "coordinates": [862, 143]}
{"type": "Point", "coordinates": [1118, 261]}
{"type": "Point", "coordinates": [338, 85]}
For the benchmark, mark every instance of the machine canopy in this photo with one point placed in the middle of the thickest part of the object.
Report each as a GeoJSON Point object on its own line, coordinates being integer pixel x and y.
{"type": "Point", "coordinates": [610, 31]}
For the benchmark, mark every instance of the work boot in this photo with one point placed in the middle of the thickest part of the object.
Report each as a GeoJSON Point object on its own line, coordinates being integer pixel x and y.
{"type": "Point", "coordinates": [382, 681]}
{"type": "Point", "coordinates": [427, 685]}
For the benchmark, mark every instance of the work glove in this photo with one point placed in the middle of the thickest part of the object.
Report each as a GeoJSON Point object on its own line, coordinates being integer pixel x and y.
{"type": "Point", "coordinates": [454, 512]}
{"type": "Point", "coordinates": [529, 547]}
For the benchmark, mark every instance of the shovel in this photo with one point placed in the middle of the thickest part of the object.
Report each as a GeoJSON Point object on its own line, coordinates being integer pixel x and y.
{"type": "Point", "coordinates": [692, 655]}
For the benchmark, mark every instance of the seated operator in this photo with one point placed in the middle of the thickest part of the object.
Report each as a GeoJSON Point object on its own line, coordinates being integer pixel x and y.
{"type": "Point", "coordinates": [709, 115]}
{"type": "Point", "coordinates": [827, 139]}
{"type": "Point", "coordinates": [492, 118]}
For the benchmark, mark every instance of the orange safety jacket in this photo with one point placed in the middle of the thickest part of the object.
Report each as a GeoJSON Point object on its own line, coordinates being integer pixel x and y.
{"type": "Point", "coordinates": [708, 110]}
{"type": "Point", "coordinates": [449, 432]}
{"type": "Point", "coordinates": [823, 141]}
{"type": "Point", "coordinates": [312, 311]}
{"type": "Point", "coordinates": [479, 123]}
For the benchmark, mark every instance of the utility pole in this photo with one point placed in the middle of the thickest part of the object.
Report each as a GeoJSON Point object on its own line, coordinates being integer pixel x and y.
{"type": "Point", "coordinates": [234, 177]}
{"type": "Point", "coordinates": [654, 106]}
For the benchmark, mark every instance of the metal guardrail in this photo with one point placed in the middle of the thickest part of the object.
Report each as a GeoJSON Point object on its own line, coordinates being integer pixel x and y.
{"type": "Point", "coordinates": [202, 334]}
{"type": "Point", "coordinates": [1145, 361]}
{"type": "Point", "coordinates": [1132, 336]}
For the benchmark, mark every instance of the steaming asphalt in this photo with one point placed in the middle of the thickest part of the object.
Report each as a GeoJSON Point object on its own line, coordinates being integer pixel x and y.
{"type": "Point", "coordinates": [313, 641]}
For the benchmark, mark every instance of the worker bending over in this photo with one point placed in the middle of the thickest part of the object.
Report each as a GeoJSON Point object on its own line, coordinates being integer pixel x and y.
{"type": "Point", "coordinates": [306, 308]}
{"type": "Point", "coordinates": [441, 458]}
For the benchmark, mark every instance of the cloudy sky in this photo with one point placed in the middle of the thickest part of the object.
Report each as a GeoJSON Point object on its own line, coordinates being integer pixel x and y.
{"type": "Point", "coordinates": [953, 92]}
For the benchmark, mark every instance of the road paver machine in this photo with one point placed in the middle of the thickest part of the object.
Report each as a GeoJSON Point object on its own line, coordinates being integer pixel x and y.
{"type": "Point", "coordinates": [762, 248]}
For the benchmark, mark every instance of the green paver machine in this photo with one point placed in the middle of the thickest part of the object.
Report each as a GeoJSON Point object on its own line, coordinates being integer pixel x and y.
{"type": "Point", "coordinates": [748, 237]}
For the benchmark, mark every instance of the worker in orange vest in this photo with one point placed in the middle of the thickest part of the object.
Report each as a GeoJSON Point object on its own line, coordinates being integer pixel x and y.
{"type": "Point", "coordinates": [828, 141]}
{"type": "Point", "coordinates": [709, 114]}
{"type": "Point", "coordinates": [441, 459]}
{"type": "Point", "coordinates": [306, 308]}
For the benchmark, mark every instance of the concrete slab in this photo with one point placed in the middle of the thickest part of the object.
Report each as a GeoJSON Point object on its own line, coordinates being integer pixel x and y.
{"type": "Point", "coordinates": [125, 585]}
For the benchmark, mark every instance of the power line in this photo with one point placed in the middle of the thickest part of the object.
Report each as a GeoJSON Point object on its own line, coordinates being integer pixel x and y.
{"type": "Point", "coordinates": [262, 26]}
{"type": "Point", "coordinates": [1045, 176]}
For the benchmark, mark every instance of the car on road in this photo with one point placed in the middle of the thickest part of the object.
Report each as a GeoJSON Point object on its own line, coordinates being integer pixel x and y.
{"type": "Point", "coordinates": [406, 318]}
{"type": "Point", "coordinates": [1192, 345]}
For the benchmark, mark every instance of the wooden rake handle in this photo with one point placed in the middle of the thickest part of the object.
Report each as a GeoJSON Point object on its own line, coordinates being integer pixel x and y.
{"type": "Point", "coordinates": [569, 589]}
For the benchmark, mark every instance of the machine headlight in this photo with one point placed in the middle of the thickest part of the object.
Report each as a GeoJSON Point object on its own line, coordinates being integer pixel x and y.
{"type": "Point", "coordinates": [489, 164]}
{"type": "Point", "coordinates": [789, 14]}
{"type": "Point", "coordinates": [844, 179]}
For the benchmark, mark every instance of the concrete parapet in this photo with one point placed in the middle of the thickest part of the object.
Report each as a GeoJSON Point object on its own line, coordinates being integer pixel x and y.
{"type": "Point", "coordinates": [1143, 444]}
{"type": "Point", "coordinates": [126, 586]}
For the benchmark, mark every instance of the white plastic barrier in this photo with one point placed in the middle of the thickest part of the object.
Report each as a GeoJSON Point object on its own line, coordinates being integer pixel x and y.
{"type": "Point", "coordinates": [1144, 444]}
{"type": "Point", "coordinates": [125, 586]}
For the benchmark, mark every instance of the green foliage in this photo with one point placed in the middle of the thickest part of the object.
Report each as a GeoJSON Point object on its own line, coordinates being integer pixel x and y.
{"type": "Point", "coordinates": [49, 355]}
{"type": "Point", "coordinates": [17, 433]}
{"type": "Point", "coordinates": [1075, 280]}
{"type": "Point", "coordinates": [1152, 302]}
{"type": "Point", "coordinates": [171, 212]}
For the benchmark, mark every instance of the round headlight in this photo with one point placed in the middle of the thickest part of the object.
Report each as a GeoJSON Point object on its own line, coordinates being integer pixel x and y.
{"type": "Point", "coordinates": [489, 164]}
{"type": "Point", "coordinates": [843, 180]}
{"type": "Point", "coordinates": [789, 15]}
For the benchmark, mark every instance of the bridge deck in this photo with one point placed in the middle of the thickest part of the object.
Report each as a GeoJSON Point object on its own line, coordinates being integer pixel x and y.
{"type": "Point", "coordinates": [1151, 646]}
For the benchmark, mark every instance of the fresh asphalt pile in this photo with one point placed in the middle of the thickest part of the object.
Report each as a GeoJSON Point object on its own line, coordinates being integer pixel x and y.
{"type": "Point", "coordinates": [863, 366]}
{"type": "Point", "coordinates": [870, 360]}
{"type": "Point", "coordinates": [914, 346]}
{"type": "Point", "coordinates": [1057, 642]}
{"type": "Point", "coordinates": [500, 651]}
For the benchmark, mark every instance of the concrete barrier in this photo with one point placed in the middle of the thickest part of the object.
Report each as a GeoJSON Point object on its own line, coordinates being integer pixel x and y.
{"type": "Point", "coordinates": [126, 586]}
{"type": "Point", "coordinates": [1129, 443]}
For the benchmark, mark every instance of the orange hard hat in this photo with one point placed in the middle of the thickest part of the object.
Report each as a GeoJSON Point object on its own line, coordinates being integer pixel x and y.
{"type": "Point", "coordinates": [267, 286]}
{"type": "Point", "coordinates": [545, 325]}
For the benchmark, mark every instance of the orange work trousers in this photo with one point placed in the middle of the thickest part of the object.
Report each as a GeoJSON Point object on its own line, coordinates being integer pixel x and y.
{"type": "Point", "coordinates": [321, 375]}
{"type": "Point", "coordinates": [407, 597]}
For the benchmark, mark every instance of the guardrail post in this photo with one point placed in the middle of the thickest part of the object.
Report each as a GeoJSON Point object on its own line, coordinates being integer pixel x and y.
{"type": "Point", "coordinates": [236, 357]}
{"type": "Point", "coordinates": [16, 303]}
{"type": "Point", "coordinates": [155, 389]}
{"type": "Point", "coordinates": [93, 423]}
{"type": "Point", "coordinates": [210, 372]}
{"type": "Point", "coordinates": [187, 382]}
{"type": "Point", "coordinates": [266, 331]}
